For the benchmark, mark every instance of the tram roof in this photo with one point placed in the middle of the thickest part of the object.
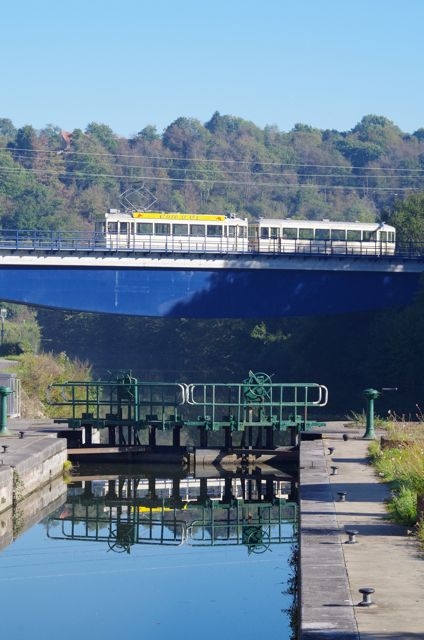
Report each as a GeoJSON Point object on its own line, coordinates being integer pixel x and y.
{"type": "Point", "coordinates": [164, 215]}
{"type": "Point", "coordinates": [324, 224]}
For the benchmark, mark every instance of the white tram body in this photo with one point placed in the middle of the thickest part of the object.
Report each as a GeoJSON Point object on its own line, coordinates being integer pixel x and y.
{"type": "Point", "coordinates": [217, 233]}
{"type": "Point", "coordinates": [269, 235]}
{"type": "Point", "coordinates": [179, 232]}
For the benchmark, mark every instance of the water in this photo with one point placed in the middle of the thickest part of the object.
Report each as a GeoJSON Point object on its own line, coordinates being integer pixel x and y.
{"type": "Point", "coordinates": [148, 556]}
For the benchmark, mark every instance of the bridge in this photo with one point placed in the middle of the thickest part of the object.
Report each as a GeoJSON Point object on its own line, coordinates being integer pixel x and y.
{"type": "Point", "coordinates": [86, 276]}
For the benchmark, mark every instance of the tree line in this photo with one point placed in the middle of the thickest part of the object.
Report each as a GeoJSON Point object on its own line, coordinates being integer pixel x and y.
{"type": "Point", "coordinates": [52, 179]}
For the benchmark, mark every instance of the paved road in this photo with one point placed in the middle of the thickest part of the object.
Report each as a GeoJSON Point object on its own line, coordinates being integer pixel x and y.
{"type": "Point", "coordinates": [384, 557]}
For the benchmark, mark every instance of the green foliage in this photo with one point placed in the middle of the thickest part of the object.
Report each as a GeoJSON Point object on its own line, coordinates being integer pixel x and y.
{"type": "Point", "coordinates": [408, 217]}
{"type": "Point", "coordinates": [21, 331]}
{"type": "Point", "coordinates": [50, 179]}
{"type": "Point", "coordinates": [37, 372]}
{"type": "Point", "coordinates": [403, 506]}
{"type": "Point", "coordinates": [103, 135]}
{"type": "Point", "coordinates": [402, 465]}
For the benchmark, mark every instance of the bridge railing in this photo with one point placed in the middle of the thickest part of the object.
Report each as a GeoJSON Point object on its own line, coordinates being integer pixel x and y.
{"type": "Point", "coordinates": [33, 240]}
{"type": "Point", "coordinates": [26, 240]}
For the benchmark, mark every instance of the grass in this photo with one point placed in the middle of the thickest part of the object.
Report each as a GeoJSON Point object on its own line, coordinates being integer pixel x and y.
{"type": "Point", "coordinates": [399, 460]}
{"type": "Point", "coordinates": [37, 372]}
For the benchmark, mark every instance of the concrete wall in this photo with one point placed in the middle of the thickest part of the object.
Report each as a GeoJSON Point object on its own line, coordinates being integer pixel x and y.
{"type": "Point", "coordinates": [28, 465]}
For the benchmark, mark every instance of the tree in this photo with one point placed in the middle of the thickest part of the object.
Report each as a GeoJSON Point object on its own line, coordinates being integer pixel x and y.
{"type": "Point", "coordinates": [6, 128]}
{"type": "Point", "coordinates": [25, 146]}
{"type": "Point", "coordinates": [104, 135]}
{"type": "Point", "coordinates": [408, 218]}
{"type": "Point", "coordinates": [149, 133]}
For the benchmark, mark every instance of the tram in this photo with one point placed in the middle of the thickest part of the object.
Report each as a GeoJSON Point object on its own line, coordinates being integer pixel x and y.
{"type": "Point", "coordinates": [148, 231]}
{"type": "Point", "coordinates": [269, 235]}
{"type": "Point", "coordinates": [179, 232]}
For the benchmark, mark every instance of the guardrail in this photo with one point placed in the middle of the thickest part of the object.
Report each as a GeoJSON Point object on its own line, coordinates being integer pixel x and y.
{"type": "Point", "coordinates": [24, 240]}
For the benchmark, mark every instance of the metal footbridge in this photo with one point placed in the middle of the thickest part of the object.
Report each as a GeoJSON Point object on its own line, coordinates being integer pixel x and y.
{"type": "Point", "coordinates": [131, 414]}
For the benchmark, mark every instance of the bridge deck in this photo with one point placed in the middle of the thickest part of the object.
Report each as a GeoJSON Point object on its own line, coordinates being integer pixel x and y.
{"type": "Point", "coordinates": [206, 286]}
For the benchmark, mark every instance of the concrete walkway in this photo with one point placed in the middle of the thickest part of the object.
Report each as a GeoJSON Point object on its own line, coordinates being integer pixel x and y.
{"type": "Point", "coordinates": [384, 556]}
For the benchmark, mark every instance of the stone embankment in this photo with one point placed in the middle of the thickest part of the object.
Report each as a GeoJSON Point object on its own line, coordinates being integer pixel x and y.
{"type": "Point", "coordinates": [31, 475]}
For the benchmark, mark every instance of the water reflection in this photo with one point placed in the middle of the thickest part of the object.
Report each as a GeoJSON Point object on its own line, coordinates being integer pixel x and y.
{"type": "Point", "coordinates": [157, 554]}
{"type": "Point", "coordinates": [121, 508]}
{"type": "Point", "coordinates": [24, 514]}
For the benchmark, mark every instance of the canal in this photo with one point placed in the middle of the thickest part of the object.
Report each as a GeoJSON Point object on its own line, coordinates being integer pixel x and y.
{"type": "Point", "coordinates": [153, 553]}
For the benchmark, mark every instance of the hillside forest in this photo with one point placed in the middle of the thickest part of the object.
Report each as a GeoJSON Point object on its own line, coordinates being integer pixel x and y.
{"type": "Point", "coordinates": [59, 180]}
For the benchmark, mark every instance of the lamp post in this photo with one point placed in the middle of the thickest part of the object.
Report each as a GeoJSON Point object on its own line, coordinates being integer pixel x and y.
{"type": "Point", "coordinates": [3, 316]}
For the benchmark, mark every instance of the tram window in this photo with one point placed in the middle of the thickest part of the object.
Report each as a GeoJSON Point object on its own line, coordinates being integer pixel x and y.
{"type": "Point", "coordinates": [264, 233]}
{"type": "Point", "coordinates": [306, 234]}
{"type": "Point", "coordinates": [383, 236]}
{"type": "Point", "coordinates": [197, 230]}
{"type": "Point", "coordinates": [391, 235]}
{"type": "Point", "coordinates": [214, 230]}
{"type": "Point", "coordinates": [275, 232]}
{"type": "Point", "coordinates": [369, 236]}
{"type": "Point", "coordinates": [289, 233]}
{"type": "Point", "coordinates": [144, 228]}
{"type": "Point", "coordinates": [124, 227]}
{"type": "Point", "coordinates": [338, 234]}
{"type": "Point", "coordinates": [180, 229]}
{"type": "Point", "coordinates": [112, 227]}
{"type": "Point", "coordinates": [353, 235]}
{"type": "Point", "coordinates": [231, 231]}
{"type": "Point", "coordinates": [162, 228]}
{"type": "Point", "coordinates": [242, 232]}
{"type": "Point", "coordinates": [322, 234]}
{"type": "Point", "coordinates": [253, 231]}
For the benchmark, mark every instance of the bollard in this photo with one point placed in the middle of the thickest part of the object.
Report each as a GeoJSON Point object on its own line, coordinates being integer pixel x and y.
{"type": "Point", "coordinates": [21, 434]}
{"type": "Point", "coordinates": [342, 496]}
{"type": "Point", "coordinates": [4, 392]}
{"type": "Point", "coordinates": [5, 447]}
{"type": "Point", "coordinates": [366, 596]}
{"type": "Point", "coordinates": [334, 470]}
{"type": "Point", "coordinates": [352, 533]}
{"type": "Point", "coordinates": [331, 450]}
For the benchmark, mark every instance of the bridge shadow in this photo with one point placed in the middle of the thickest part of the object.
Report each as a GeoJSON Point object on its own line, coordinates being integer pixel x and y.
{"type": "Point", "coordinates": [362, 461]}
{"type": "Point", "coordinates": [355, 492]}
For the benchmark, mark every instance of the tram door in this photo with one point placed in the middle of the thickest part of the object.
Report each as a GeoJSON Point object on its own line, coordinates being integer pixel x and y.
{"type": "Point", "coordinates": [126, 235]}
{"type": "Point", "coordinates": [253, 239]}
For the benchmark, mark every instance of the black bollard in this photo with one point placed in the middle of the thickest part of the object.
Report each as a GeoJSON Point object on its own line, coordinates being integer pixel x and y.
{"type": "Point", "coordinates": [366, 596]}
{"type": "Point", "coordinates": [352, 533]}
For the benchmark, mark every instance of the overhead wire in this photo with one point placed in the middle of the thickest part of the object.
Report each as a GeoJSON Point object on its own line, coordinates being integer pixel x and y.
{"type": "Point", "coordinates": [253, 161]}
{"type": "Point", "coordinates": [203, 175]}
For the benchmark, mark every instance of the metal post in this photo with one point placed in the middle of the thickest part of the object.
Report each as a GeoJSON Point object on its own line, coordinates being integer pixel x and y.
{"type": "Point", "coordinates": [4, 392]}
{"type": "Point", "coordinates": [370, 395]}
{"type": "Point", "coordinates": [3, 316]}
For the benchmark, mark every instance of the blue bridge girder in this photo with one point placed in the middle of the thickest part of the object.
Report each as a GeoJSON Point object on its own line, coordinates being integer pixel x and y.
{"type": "Point", "coordinates": [207, 286]}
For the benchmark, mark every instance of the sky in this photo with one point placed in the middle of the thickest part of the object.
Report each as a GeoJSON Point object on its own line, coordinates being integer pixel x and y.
{"type": "Point", "coordinates": [133, 63]}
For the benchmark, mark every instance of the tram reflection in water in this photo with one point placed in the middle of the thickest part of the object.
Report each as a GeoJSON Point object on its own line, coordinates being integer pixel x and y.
{"type": "Point", "coordinates": [257, 510]}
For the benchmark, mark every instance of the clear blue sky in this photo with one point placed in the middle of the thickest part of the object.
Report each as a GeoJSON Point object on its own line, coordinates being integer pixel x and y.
{"type": "Point", "coordinates": [131, 63]}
